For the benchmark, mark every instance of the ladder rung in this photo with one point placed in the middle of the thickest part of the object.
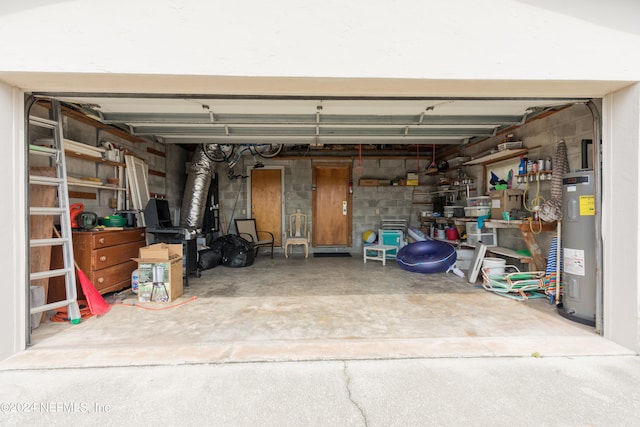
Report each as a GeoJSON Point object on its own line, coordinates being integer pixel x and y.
{"type": "Point", "coordinates": [50, 273]}
{"type": "Point", "coordinates": [50, 306]}
{"type": "Point", "coordinates": [45, 180]}
{"type": "Point", "coordinates": [46, 123]}
{"type": "Point", "coordinates": [54, 241]}
{"type": "Point", "coordinates": [39, 149]}
{"type": "Point", "coordinates": [47, 211]}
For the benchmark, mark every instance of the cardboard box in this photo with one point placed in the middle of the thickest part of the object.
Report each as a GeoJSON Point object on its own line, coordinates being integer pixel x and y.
{"type": "Point", "coordinates": [160, 272]}
{"type": "Point", "coordinates": [504, 201]}
{"type": "Point", "coordinates": [412, 176]}
{"type": "Point", "coordinates": [368, 182]}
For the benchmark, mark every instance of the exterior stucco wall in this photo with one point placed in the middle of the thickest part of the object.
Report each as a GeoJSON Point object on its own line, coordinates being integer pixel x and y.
{"type": "Point", "coordinates": [501, 39]}
{"type": "Point", "coordinates": [13, 227]}
{"type": "Point", "coordinates": [620, 220]}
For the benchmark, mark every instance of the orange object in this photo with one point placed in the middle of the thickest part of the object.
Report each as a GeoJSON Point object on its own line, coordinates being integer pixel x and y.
{"type": "Point", "coordinates": [62, 313]}
{"type": "Point", "coordinates": [97, 304]}
{"type": "Point", "coordinates": [75, 210]}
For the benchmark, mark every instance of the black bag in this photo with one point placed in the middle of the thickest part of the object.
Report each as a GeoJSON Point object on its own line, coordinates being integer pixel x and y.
{"type": "Point", "coordinates": [234, 250]}
{"type": "Point", "coordinates": [218, 244]}
{"type": "Point", "coordinates": [237, 252]}
{"type": "Point", "coordinates": [209, 258]}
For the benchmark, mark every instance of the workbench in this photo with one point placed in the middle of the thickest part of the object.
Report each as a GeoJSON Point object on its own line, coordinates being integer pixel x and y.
{"type": "Point", "coordinates": [536, 261]}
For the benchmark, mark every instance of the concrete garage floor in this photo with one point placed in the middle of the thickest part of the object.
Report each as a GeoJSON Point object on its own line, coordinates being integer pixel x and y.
{"type": "Point", "coordinates": [313, 309]}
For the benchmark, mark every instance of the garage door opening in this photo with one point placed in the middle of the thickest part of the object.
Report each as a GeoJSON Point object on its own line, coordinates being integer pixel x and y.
{"type": "Point", "coordinates": [393, 143]}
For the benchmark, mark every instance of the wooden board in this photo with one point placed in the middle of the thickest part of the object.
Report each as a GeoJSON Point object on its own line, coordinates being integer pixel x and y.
{"type": "Point", "coordinates": [536, 253]}
{"type": "Point", "coordinates": [82, 195]}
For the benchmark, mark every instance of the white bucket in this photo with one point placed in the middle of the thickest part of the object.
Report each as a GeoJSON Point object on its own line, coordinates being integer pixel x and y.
{"type": "Point", "coordinates": [495, 265]}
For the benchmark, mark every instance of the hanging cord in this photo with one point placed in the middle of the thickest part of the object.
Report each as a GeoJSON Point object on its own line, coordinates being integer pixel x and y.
{"type": "Point", "coordinates": [534, 203]}
{"type": "Point", "coordinates": [539, 225]}
{"type": "Point", "coordinates": [433, 158]}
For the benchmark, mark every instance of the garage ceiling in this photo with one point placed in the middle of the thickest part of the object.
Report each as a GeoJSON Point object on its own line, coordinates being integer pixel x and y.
{"type": "Point", "coordinates": [298, 120]}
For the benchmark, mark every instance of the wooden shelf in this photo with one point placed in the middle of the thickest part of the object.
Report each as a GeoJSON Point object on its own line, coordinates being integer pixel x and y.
{"type": "Point", "coordinates": [88, 158]}
{"type": "Point", "coordinates": [508, 252]}
{"type": "Point", "coordinates": [73, 182]}
{"type": "Point", "coordinates": [438, 219]}
{"type": "Point", "coordinates": [90, 184]}
{"type": "Point", "coordinates": [444, 171]}
{"type": "Point", "coordinates": [497, 157]}
{"type": "Point", "coordinates": [521, 224]}
{"type": "Point", "coordinates": [537, 173]}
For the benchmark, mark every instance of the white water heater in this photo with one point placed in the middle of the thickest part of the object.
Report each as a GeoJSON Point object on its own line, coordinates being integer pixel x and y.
{"type": "Point", "coordinates": [578, 248]}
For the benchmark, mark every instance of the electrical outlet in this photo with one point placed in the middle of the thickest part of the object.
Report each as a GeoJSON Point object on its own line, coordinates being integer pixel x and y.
{"type": "Point", "coordinates": [244, 211]}
{"type": "Point", "coordinates": [377, 211]}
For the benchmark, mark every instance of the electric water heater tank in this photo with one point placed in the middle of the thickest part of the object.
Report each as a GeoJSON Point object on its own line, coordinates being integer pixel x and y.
{"type": "Point", "coordinates": [578, 247]}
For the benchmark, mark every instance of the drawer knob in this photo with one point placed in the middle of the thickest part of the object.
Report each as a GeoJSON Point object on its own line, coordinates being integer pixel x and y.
{"type": "Point", "coordinates": [103, 258]}
{"type": "Point", "coordinates": [101, 240]}
{"type": "Point", "coordinates": [100, 279]}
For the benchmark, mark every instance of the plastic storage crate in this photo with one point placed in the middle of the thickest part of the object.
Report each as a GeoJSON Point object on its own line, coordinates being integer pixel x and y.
{"type": "Point", "coordinates": [472, 228]}
{"type": "Point", "coordinates": [489, 239]}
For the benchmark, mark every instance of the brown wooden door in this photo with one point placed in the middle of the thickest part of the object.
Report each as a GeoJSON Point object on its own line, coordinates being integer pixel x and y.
{"type": "Point", "coordinates": [266, 201]}
{"type": "Point", "coordinates": [331, 204]}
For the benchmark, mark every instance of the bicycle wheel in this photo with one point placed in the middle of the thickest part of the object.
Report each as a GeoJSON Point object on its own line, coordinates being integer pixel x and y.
{"type": "Point", "coordinates": [218, 152]}
{"type": "Point", "coordinates": [267, 150]}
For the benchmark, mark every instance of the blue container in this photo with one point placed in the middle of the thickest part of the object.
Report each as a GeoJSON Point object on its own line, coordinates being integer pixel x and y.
{"type": "Point", "coordinates": [391, 238]}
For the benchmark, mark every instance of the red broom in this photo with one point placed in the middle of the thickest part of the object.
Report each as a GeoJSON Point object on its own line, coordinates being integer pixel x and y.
{"type": "Point", "coordinates": [97, 304]}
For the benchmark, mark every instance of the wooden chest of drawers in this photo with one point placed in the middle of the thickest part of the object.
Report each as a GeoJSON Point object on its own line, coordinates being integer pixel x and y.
{"type": "Point", "coordinates": [105, 257]}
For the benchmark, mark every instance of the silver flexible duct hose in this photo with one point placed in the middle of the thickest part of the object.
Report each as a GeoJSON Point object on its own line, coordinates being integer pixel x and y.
{"type": "Point", "coordinates": [196, 190]}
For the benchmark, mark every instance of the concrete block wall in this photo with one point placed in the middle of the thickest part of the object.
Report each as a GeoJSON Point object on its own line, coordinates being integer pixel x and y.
{"type": "Point", "coordinates": [370, 204]}
{"type": "Point", "coordinates": [232, 194]}
{"type": "Point", "coordinates": [373, 204]}
{"type": "Point", "coordinates": [297, 192]}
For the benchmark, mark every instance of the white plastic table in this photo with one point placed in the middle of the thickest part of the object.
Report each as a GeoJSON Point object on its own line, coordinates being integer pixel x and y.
{"type": "Point", "coordinates": [380, 252]}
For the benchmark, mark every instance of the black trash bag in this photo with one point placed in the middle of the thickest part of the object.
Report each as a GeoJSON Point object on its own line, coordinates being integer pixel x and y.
{"type": "Point", "coordinates": [209, 258]}
{"type": "Point", "coordinates": [237, 252]}
{"type": "Point", "coordinates": [218, 244]}
{"type": "Point", "coordinates": [234, 250]}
